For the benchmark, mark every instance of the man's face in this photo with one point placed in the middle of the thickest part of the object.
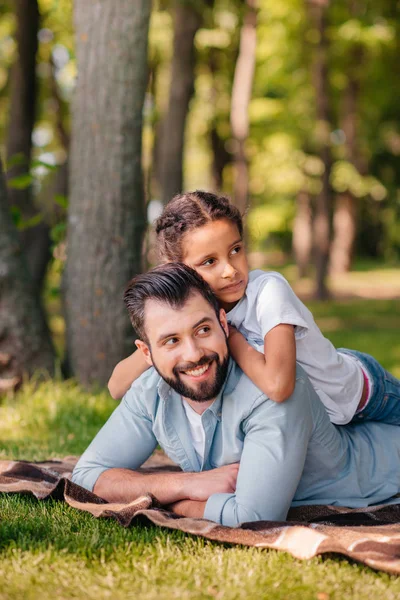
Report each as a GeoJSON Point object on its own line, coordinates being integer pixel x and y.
{"type": "Point", "coordinates": [187, 346]}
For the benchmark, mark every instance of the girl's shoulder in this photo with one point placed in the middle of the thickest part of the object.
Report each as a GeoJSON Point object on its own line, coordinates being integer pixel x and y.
{"type": "Point", "coordinates": [258, 278]}
{"type": "Point", "coordinates": [269, 285]}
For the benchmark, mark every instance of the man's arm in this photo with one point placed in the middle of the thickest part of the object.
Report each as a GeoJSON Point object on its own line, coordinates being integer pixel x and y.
{"type": "Point", "coordinates": [126, 441]}
{"type": "Point", "coordinates": [108, 467]}
{"type": "Point", "coordinates": [124, 485]}
{"type": "Point", "coordinates": [188, 508]}
{"type": "Point", "coordinates": [274, 452]}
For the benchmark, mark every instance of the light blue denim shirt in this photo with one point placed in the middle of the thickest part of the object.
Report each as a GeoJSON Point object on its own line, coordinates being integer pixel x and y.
{"type": "Point", "coordinates": [289, 453]}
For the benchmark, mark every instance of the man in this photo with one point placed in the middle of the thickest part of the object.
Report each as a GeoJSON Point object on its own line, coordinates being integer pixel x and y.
{"type": "Point", "coordinates": [244, 457]}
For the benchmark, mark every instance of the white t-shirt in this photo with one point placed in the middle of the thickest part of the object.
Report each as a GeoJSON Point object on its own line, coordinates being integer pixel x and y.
{"type": "Point", "coordinates": [269, 301]}
{"type": "Point", "coordinates": [196, 429]}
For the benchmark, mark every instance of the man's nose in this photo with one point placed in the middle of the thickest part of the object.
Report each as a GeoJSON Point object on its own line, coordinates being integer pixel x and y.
{"type": "Point", "coordinates": [228, 271]}
{"type": "Point", "coordinates": [192, 351]}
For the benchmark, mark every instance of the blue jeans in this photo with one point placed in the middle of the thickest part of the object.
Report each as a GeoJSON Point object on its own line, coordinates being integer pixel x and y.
{"type": "Point", "coordinates": [384, 402]}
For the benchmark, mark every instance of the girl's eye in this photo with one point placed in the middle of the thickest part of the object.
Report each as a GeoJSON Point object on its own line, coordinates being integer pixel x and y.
{"type": "Point", "coordinates": [236, 250]}
{"type": "Point", "coordinates": [208, 262]}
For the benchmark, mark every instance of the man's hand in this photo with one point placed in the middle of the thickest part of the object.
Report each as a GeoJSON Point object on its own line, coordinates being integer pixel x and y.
{"type": "Point", "coordinates": [200, 486]}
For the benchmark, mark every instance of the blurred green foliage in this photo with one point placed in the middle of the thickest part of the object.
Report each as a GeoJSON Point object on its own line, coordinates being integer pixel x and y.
{"type": "Point", "coordinates": [281, 148]}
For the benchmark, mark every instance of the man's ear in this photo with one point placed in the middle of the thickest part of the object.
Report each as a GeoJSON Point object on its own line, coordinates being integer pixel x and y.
{"type": "Point", "coordinates": [145, 350]}
{"type": "Point", "coordinates": [223, 321]}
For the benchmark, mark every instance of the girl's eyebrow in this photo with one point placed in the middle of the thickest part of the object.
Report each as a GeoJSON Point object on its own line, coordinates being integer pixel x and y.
{"type": "Point", "coordinates": [209, 255]}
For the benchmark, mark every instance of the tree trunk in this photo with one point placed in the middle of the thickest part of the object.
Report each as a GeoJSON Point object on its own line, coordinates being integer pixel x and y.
{"type": "Point", "coordinates": [25, 344]}
{"type": "Point", "coordinates": [34, 240]}
{"type": "Point", "coordinates": [302, 232]}
{"type": "Point", "coordinates": [107, 213]}
{"type": "Point", "coordinates": [221, 157]}
{"type": "Point", "coordinates": [346, 209]}
{"type": "Point", "coordinates": [322, 224]}
{"type": "Point", "coordinates": [187, 21]}
{"type": "Point", "coordinates": [345, 230]}
{"type": "Point", "coordinates": [241, 95]}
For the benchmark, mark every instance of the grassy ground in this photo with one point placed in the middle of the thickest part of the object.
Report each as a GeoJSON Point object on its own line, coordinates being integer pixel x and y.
{"type": "Point", "coordinates": [49, 550]}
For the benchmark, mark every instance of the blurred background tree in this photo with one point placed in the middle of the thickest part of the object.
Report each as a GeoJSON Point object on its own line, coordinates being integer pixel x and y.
{"type": "Point", "coordinates": [290, 108]}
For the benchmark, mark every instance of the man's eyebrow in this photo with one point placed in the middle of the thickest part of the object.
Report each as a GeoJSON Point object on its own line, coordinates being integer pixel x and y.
{"type": "Point", "coordinates": [201, 321]}
{"type": "Point", "coordinates": [164, 336]}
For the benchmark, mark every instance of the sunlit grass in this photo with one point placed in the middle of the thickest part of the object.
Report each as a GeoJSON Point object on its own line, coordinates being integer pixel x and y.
{"type": "Point", "coordinates": [49, 550]}
{"type": "Point", "coordinates": [50, 419]}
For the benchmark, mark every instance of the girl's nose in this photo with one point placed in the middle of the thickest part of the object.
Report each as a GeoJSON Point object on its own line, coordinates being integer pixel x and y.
{"type": "Point", "coordinates": [228, 271]}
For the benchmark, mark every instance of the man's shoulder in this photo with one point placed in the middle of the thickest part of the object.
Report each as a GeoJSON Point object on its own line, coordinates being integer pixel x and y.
{"type": "Point", "coordinates": [244, 396]}
{"type": "Point", "coordinates": [145, 389]}
{"type": "Point", "coordinates": [241, 394]}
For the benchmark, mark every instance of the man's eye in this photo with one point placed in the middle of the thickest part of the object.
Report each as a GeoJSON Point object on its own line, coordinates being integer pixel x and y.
{"type": "Point", "coordinates": [208, 262]}
{"type": "Point", "coordinates": [171, 342]}
{"type": "Point", "coordinates": [204, 330]}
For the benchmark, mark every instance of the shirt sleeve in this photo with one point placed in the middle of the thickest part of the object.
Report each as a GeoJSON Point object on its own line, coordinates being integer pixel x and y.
{"type": "Point", "coordinates": [125, 441]}
{"type": "Point", "coordinates": [272, 462]}
{"type": "Point", "coordinates": [278, 304]}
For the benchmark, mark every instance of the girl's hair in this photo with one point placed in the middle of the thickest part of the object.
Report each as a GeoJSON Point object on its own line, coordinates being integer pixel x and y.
{"type": "Point", "coordinates": [189, 211]}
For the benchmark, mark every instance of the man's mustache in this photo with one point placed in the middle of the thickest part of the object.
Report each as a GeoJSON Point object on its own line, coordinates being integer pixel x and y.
{"type": "Point", "coordinates": [189, 366]}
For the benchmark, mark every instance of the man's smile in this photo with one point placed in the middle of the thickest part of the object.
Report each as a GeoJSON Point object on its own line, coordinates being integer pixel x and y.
{"type": "Point", "coordinates": [199, 373]}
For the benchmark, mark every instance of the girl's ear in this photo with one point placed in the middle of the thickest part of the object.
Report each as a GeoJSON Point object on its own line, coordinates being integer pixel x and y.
{"type": "Point", "coordinates": [223, 321]}
{"type": "Point", "coordinates": [145, 350]}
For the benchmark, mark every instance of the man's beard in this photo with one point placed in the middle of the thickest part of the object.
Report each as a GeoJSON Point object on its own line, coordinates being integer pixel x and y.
{"type": "Point", "coordinates": [205, 390]}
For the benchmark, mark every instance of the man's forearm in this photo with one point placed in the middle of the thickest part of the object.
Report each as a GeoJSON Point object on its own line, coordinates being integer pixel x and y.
{"type": "Point", "coordinates": [188, 508]}
{"type": "Point", "coordinates": [123, 485]}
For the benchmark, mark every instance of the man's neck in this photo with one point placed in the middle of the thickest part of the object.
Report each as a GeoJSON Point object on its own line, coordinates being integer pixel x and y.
{"type": "Point", "coordinates": [197, 406]}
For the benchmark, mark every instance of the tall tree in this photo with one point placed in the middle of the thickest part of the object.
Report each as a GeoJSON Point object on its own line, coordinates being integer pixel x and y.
{"type": "Point", "coordinates": [106, 217]}
{"type": "Point", "coordinates": [25, 344]}
{"type": "Point", "coordinates": [241, 95]}
{"type": "Point", "coordinates": [302, 232]}
{"type": "Point", "coordinates": [187, 20]}
{"type": "Point", "coordinates": [34, 239]}
{"type": "Point", "coordinates": [346, 206]}
{"type": "Point", "coordinates": [323, 204]}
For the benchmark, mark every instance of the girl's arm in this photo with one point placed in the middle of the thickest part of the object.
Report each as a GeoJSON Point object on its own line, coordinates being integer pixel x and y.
{"type": "Point", "coordinates": [274, 372]}
{"type": "Point", "coordinates": [125, 373]}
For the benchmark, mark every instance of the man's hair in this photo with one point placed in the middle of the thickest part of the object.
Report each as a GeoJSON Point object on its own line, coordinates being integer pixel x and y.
{"type": "Point", "coordinates": [172, 283]}
{"type": "Point", "coordinates": [186, 212]}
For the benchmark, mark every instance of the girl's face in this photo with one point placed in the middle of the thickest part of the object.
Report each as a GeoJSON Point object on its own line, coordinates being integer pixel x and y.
{"type": "Point", "coordinates": [216, 251]}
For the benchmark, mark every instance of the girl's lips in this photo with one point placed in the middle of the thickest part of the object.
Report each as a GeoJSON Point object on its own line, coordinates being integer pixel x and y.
{"type": "Point", "coordinates": [233, 287]}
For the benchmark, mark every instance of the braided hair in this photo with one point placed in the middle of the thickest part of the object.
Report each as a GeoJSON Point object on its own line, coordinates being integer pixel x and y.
{"type": "Point", "coordinates": [189, 211]}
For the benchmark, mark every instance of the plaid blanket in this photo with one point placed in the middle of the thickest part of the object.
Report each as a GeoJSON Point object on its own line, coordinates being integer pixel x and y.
{"type": "Point", "coordinates": [370, 536]}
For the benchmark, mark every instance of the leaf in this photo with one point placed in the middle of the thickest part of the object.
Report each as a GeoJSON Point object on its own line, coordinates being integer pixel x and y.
{"type": "Point", "coordinates": [21, 182]}
{"type": "Point", "coordinates": [61, 200]}
{"type": "Point", "coordinates": [57, 233]}
{"type": "Point", "coordinates": [16, 159]}
{"type": "Point", "coordinates": [15, 215]}
{"type": "Point", "coordinates": [28, 223]}
{"type": "Point", "coordinates": [41, 163]}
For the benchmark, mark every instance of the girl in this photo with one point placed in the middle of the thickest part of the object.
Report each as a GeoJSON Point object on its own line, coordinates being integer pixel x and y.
{"type": "Point", "coordinates": [271, 328]}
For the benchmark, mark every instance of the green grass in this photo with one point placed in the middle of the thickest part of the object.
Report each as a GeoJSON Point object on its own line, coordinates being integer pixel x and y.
{"type": "Point", "coordinates": [49, 550]}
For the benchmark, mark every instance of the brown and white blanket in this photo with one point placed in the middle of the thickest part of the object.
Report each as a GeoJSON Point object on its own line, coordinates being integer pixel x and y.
{"type": "Point", "coordinates": [370, 536]}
